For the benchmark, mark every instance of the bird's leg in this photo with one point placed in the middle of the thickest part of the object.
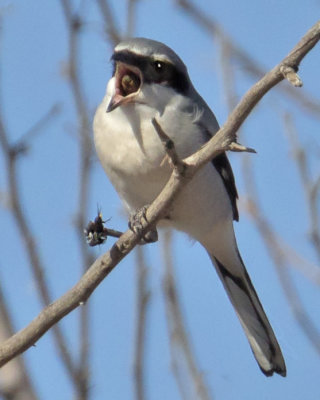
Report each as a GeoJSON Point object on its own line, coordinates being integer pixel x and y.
{"type": "Point", "coordinates": [136, 226]}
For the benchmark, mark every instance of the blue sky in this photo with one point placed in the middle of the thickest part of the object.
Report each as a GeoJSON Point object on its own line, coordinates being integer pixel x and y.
{"type": "Point", "coordinates": [33, 54]}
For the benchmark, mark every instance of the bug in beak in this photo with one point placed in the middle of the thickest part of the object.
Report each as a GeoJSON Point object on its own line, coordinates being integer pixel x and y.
{"type": "Point", "coordinates": [128, 81]}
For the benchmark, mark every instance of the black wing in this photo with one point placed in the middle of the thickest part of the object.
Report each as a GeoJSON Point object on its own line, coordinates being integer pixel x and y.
{"type": "Point", "coordinates": [209, 125]}
{"type": "Point", "coordinates": [222, 165]}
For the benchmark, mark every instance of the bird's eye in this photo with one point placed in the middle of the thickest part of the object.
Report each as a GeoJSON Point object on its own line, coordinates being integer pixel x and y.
{"type": "Point", "coordinates": [159, 66]}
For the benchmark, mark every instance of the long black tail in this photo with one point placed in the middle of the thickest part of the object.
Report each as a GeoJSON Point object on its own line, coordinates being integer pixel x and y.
{"type": "Point", "coordinates": [254, 321]}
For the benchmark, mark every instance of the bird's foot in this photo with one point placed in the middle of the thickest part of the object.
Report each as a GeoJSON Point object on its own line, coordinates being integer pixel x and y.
{"type": "Point", "coordinates": [135, 224]}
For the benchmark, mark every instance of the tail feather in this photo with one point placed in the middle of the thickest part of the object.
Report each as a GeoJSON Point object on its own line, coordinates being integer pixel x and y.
{"type": "Point", "coordinates": [252, 317]}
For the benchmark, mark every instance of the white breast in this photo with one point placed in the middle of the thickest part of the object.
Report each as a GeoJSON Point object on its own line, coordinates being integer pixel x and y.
{"type": "Point", "coordinates": [130, 150]}
{"type": "Point", "coordinates": [132, 155]}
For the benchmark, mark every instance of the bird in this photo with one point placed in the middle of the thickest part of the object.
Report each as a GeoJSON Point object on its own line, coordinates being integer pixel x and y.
{"type": "Point", "coordinates": [149, 80]}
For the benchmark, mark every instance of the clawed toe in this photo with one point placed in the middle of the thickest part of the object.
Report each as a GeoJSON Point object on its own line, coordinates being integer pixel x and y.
{"type": "Point", "coordinates": [135, 224]}
{"type": "Point", "coordinates": [135, 220]}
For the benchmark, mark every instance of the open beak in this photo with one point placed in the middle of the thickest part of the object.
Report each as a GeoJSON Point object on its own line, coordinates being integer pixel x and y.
{"type": "Point", "coordinates": [128, 81]}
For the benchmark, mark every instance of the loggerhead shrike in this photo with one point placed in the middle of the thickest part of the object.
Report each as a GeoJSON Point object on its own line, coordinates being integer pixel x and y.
{"type": "Point", "coordinates": [150, 81]}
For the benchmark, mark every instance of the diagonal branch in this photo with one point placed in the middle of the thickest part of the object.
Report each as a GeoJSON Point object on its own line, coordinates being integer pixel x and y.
{"type": "Point", "coordinates": [36, 264]}
{"type": "Point", "coordinates": [158, 209]}
{"type": "Point", "coordinates": [247, 62]}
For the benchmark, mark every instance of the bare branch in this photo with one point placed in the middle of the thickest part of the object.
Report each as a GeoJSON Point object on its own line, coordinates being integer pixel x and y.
{"type": "Point", "coordinates": [11, 152]}
{"type": "Point", "coordinates": [143, 297]}
{"type": "Point", "coordinates": [169, 147]}
{"type": "Point", "coordinates": [74, 25]}
{"type": "Point", "coordinates": [310, 186]}
{"type": "Point", "coordinates": [15, 381]}
{"type": "Point", "coordinates": [279, 258]}
{"type": "Point", "coordinates": [131, 17]}
{"type": "Point", "coordinates": [305, 100]}
{"type": "Point", "coordinates": [181, 350]}
{"type": "Point", "coordinates": [227, 73]}
{"type": "Point", "coordinates": [112, 32]}
{"type": "Point", "coordinates": [69, 301]}
{"type": "Point", "coordinates": [24, 142]}
{"type": "Point", "coordinates": [158, 209]}
{"type": "Point", "coordinates": [280, 252]}
{"type": "Point", "coordinates": [27, 237]}
{"type": "Point", "coordinates": [240, 148]}
{"type": "Point", "coordinates": [227, 133]}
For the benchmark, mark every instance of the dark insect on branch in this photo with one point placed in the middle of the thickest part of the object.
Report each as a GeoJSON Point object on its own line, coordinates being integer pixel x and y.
{"type": "Point", "coordinates": [96, 233]}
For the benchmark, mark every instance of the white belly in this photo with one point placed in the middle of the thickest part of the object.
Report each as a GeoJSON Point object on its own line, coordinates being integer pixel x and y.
{"type": "Point", "coordinates": [132, 161]}
{"type": "Point", "coordinates": [132, 155]}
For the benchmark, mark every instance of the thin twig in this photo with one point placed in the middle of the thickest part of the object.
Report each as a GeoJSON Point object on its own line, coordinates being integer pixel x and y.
{"type": "Point", "coordinates": [227, 73]}
{"type": "Point", "coordinates": [131, 17]}
{"type": "Point", "coordinates": [15, 381]}
{"type": "Point", "coordinates": [112, 33]}
{"type": "Point", "coordinates": [169, 147]}
{"type": "Point", "coordinates": [11, 153]}
{"type": "Point", "coordinates": [74, 24]}
{"type": "Point", "coordinates": [24, 142]}
{"type": "Point", "coordinates": [311, 188]}
{"type": "Point", "coordinates": [179, 342]}
{"type": "Point", "coordinates": [31, 247]}
{"type": "Point", "coordinates": [279, 258]}
{"type": "Point", "coordinates": [143, 297]}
